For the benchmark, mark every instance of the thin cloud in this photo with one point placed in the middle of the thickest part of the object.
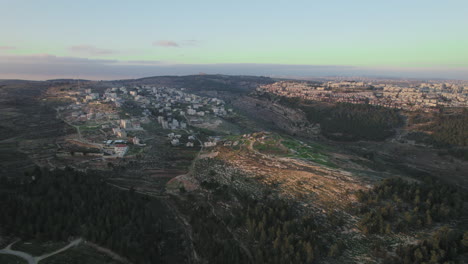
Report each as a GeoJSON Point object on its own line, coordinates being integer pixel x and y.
{"type": "Point", "coordinates": [7, 48]}
{"type": "Point", "coordinates": [91, 50]}
{"type": "Point", "coordinates": [143, 62]}
{"type": "Point", "coordinates": [46, 66]}
{"type": "Point", "coordinates": [47, 59]}
{"type": "Point", "coordinates": [166, 43]}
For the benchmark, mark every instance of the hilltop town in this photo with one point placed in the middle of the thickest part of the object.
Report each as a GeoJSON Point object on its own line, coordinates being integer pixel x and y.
{"type": "Point", "coordinates": [119, 116]}
{"type": "Point", "coordinates": [411, 96]}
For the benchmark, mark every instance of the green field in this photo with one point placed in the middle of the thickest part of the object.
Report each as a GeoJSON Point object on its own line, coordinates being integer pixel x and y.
{"type": "Point", "coordinates": [270, 146]}
{"type": "Point", "coordinates": [312, 152]}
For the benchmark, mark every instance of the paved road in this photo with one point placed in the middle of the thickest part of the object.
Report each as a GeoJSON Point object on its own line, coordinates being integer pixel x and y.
{"type": "Point", "coordinates": [35, 260]}
{"type": "Point", "coordinates": [74, 243]}
{"type": "Point", "coordinates": [30, 259]}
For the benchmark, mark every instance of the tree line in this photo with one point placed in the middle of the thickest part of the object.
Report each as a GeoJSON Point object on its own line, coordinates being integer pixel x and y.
{"type": "Point", "coordinates": [447, 131]}
{"type": "Point", "coordinates": [446, 245]}
{"type": "Point", "coordinates": [346, 121]}
{"type": "Point", "coordinates": [272, 229]}
{"type": "Point", "coordinates": [60, 204]}
{"type": "Point", "coordinates": [396, 205]}
{"type": "Point", "coordinates": [279, 234]}
{"type": "Point", "coordinates": [450, 129]}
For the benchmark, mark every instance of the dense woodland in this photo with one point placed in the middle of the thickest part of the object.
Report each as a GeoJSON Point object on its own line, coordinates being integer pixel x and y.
{"type": "Point", "coordinates": [62, 204]}
{"type": "Point", "coordinates": [212, 239]}
{"type": "Point", "coordinates": [443, 130]}
{"type": "Point", "coordinates": [444, 246]}
{"type": "Point", "coordinates": [269, 230]}
{"type": "Point", "coordinates": [396, 205]}
{"type": "Point", "coordinates": [450, 128]}
{"type": "Point", "coordinates": [346, 121]}
{"type": "Point", "coordinates": [278, 234]}
{"type": "Point", "coordinates": [447, 131]}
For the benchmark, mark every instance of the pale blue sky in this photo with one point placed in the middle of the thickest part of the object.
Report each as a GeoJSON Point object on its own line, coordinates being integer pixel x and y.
{"type": "Point", "coordinates": [357, 33]}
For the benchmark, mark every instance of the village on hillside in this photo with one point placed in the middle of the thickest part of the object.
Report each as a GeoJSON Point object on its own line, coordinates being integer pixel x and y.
{"type": "Point", "coordinates": [422, 96]}
{"type": "Point", "coordinates": [116, 123]}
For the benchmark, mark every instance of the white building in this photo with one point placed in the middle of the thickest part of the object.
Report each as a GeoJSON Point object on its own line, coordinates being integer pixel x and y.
{"type": "Point", "coordinates": [175, 142]}
{"type": "Point", "coordinates": [136, 140]}
{"type": "Point", "coordinates": [191, 111]}
{"type": "Point", "coordinates": [136, 125]}
{"type": "Point", "coordinates": [125, 123]}
{"type": "Point", "coordinates": [209, 144]}
{"type": "Point", "coordinates": [120, 150]}
{"type": "Point", "coordinates": [175, 124]}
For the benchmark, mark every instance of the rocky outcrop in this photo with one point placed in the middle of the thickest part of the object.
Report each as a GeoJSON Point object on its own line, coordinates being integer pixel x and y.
{"type": "Point", "coordinates": [290, 120]}
{"type": "Point", "coordinates": [216, 174]}
{"type": "Point", "coordinates": [182, 182]}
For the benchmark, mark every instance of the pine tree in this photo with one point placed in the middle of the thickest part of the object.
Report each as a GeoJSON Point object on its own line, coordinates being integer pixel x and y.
{"type": "Point", "coordinates": [309, 253]}
{"type": "Point", "coordinates": [428, 218]}
{"type": "Point", "coordinates": [334, 250]}
{"type": "Point", "coordinates": [464, 241]}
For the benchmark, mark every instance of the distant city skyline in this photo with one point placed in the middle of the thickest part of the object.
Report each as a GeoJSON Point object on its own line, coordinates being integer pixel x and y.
{"type": "Point", "coordinates": [128, 39]}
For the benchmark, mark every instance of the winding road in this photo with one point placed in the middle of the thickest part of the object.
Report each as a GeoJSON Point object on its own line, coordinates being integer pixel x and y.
{"type": "Point", "coordinates": [35, 260]}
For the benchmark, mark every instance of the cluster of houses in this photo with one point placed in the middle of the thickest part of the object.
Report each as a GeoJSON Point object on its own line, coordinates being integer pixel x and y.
{"type": "Point", "coordinates": [424, 96]}
{"type": "Point", "coordinates": [190, 140]}
{"type": "Point", "coordinates": [171, 123]}
{"type": "Point", "coordinates": [176, 108]}
{"type": "Point", "coordinates": [172, 108]}
{"type": "Point", "coordinates": [170, 105]}
{"type": "Point", "coordinates": [119, 147]}
{"type": "Point", "coordinates": [176, 140]}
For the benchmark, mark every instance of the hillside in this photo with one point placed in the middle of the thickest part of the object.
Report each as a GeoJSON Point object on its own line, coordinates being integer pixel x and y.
{"type": "Point", "coordinates": [216, 173]}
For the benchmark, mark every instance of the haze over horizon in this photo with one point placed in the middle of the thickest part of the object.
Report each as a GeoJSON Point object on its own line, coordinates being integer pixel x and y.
{"type": "Point", "coordinates": [120, 39]}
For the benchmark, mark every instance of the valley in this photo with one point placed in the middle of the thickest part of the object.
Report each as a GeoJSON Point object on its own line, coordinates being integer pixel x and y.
{"type": "Point", "coordinates": [225, 174]}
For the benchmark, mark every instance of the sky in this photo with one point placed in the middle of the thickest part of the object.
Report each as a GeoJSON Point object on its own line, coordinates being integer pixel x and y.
{"type": "Point", "coordinates": [44, 39]}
